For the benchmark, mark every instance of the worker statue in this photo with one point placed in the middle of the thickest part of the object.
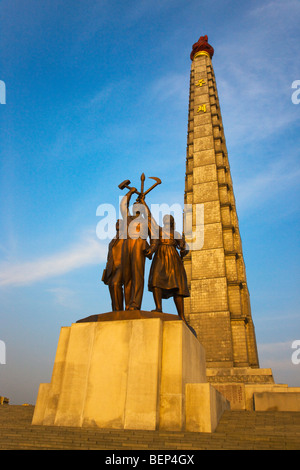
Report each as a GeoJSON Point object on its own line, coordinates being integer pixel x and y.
{"type": "Point", "coordinates": [125, 267]}
{"type": "Point", "coordinates": [136, 230]}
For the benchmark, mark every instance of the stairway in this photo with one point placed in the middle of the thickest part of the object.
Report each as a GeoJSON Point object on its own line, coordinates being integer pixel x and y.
{"type": "Point", "coordinates": [237, 430]}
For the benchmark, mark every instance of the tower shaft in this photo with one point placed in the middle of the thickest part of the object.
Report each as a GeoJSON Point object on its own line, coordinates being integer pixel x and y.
{"type": "Point", "coordinates": [219, 305]}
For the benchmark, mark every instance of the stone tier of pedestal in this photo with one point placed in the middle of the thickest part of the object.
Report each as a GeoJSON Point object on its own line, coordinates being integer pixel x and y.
{"type": "Point", "coordinates": [130, 370]}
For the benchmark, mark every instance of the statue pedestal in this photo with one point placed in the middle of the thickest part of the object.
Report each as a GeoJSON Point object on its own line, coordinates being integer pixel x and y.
{"type": "Point", "coordinates": [128, 374]}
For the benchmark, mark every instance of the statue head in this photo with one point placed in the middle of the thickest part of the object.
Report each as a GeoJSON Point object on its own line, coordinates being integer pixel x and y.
{"type": "Point", "coordinates": [169, 221]}
{"type": "Point", "coordinates": [138, 209]}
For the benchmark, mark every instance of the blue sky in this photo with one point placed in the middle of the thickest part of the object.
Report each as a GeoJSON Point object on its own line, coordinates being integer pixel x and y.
{"type": "Point", "coordinates": [97, 92]}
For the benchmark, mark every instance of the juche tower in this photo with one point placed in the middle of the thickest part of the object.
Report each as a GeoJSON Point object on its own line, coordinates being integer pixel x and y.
{"type": "Point", "coordinates": [219, 305]}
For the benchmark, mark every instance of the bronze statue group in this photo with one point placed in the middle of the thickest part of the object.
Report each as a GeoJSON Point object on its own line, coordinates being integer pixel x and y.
{"type": "Point", "coordinates": [127, 252]}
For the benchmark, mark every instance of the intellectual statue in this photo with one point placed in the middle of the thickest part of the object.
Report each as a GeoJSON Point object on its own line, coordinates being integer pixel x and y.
{"type": "Point", "coordinates": [112, 274]}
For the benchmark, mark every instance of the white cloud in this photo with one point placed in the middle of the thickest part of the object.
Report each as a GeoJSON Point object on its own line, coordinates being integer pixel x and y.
{"type": "Point", "coordinates": [101, 96]}
{"type": "Point", "coordinates": [280, 176]}
{"type": "Point", "coordinates": [171, 86]}
{"type": "Point", "coordinates": [88, 252]}
{"type": "Point", "coordinates": [137, 10]}
{"type": "Point", "coordinates": [64, 296]}
{"type": "Point", "coordinates": [255, 70]}
{"type": "Point", "coordinates": [278, 349]}
{"type": "Point", "coordinates": [279, 11]}
{"type": "Point", "coordinates": [278, 357]}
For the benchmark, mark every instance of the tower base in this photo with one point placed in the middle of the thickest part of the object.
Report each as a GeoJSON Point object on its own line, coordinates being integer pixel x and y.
{"type": "Point", "coordinates": [238, 384]}
{"type": "Point", "coordinates": [146, 373]}
{"type": "Point", "coordinates": [251, 389]}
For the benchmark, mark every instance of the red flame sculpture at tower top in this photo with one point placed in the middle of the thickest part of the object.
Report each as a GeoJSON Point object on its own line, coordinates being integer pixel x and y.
{"type": "Point", "coordinates": [202, 45]}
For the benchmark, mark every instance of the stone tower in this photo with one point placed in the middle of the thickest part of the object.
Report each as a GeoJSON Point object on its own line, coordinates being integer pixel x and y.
{"type": "Point", "coordinates": [219, 305]}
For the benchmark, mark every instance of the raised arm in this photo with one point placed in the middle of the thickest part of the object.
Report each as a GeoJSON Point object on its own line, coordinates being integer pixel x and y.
{"type": "Point", "coordinates": [124, 205]}
{"type": "Point", "coordinates": [152, 224]}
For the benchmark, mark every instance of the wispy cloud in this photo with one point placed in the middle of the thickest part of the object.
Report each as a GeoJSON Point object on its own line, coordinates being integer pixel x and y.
{"type": "Point", "coordinates": [101, 96]}
{"type": "Point", "coordinates": [255, 70]}
{"type": "Point", "coordinates": [278, 349]}
{"type": "Point", "coordinates": [64, 296]}
{"type": "Point", "coordinates": [277, 177]}
{"type": "Point", "coordinates": [88, 252]}
{"type": "Point", "coordinates": [137, 10]}
{"type": "Point", "coordinates": [171, 86]}
{"type": "Point", "coordinates": [278, 357]}
{"type": "Point", "coordinates": [279, 11]}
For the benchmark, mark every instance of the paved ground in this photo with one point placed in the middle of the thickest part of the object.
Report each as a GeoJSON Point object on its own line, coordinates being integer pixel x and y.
{"type": "Point", "coordinates": [238, 430]}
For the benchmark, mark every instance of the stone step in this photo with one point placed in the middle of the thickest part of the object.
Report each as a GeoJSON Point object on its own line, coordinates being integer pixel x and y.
{"type": "Point", "coordinates": [236, 430]}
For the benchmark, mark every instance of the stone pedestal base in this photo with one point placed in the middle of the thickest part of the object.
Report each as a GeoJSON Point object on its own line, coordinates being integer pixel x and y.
{"type": "Point", "coordinates": [204, 418]}
{"type": "Point", "coordinates": [127, 374]}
